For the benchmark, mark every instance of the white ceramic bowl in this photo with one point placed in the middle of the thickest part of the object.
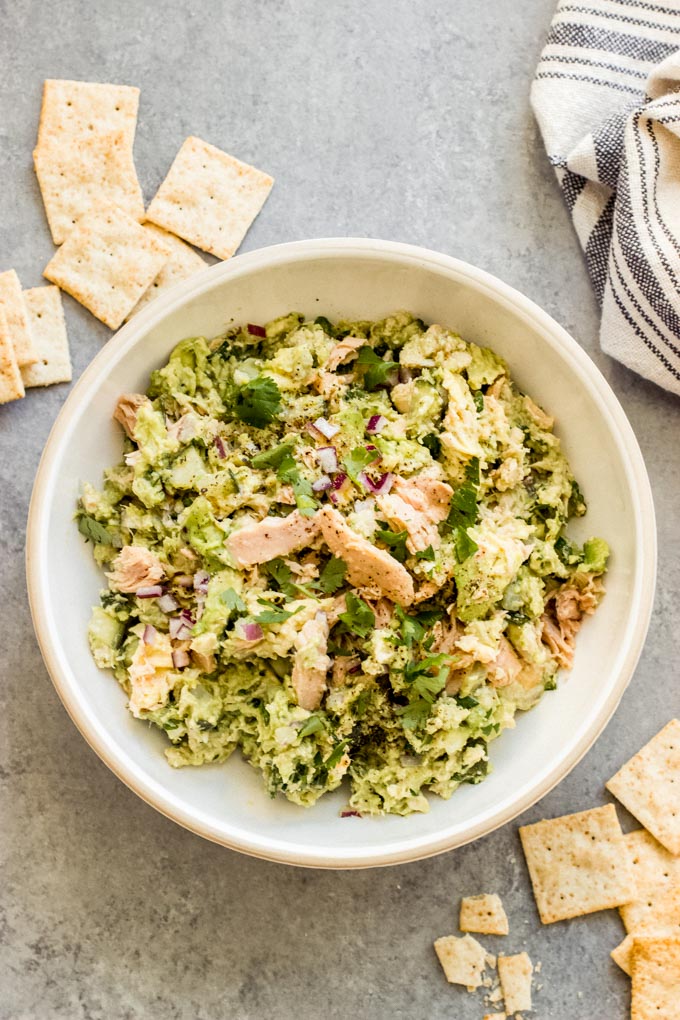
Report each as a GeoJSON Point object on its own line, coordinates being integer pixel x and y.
{"type": "Point", "coordinates": [353, 279]}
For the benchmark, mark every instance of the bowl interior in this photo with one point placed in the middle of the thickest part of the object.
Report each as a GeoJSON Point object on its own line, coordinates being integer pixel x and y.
{"type": "Point", "coordinates": [227, 802]}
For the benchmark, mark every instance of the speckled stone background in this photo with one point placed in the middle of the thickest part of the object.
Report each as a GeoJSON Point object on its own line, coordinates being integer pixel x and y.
{"type": "Point", "coordinates": [403, 119]}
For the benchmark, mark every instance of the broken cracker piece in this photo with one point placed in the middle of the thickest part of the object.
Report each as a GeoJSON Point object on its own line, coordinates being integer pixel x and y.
{"type": "Point", "coordinates": [14, 307]}
{"type": "Point", "coordinates": [649, 786]}
{"type": "Point", "coordinates": [77, 175]}
{"type": "Point", "coordinates": [515, 974]}
{"type": "Point", "coordinates": [182, 262]}
{"type": "Point", "coordinates": [77, 110]}
{"type": "Point", "coordinates": [462, 959]}
{"type": "Point", "coordinates": [11, 386]}
{"type": "Point", "coordinates": [209, 198]}
{"type": "Point", "coordinates": [483, 914]}
{"type": "Point", "coordinates": [655, 973]}
{"type": "Point", "coordinates": [657, 878]}
{"type": "Point", "coordinates": [106, 263]}
{"type": "Point", "coordinates": [48, 329]}
{"type": "Point", "coordinates": [578, 864]}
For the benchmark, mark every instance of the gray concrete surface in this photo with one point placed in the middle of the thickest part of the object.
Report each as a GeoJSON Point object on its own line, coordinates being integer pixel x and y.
{"type": "Point", "coordinates": [403, 119]}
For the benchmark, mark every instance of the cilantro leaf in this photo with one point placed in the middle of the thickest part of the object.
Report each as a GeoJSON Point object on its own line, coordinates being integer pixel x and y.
{"type": "Point", "coordinates": [472, 472]}
{"type": "Point", "coordinates": [423, 681]}
{"type": "Point", "coordinates": [326, 325]}
{"type": "Point", "coordinates": [273, 614]}
{"type": "Point", "coordinates": [415, 713]}
{"type": "Point", "coordinates": [465, 546]}
{"type": "Point", "coordinates": [283, 576]}
{"type": "Point", "coordinates": [289, 472]}
{"type": "Point", "coordinates": [332, 576]}
{"type": "Point", "coordinates": [233, 601]}
{"type": "Point", "coordinates": [433, 444]}
{"type": "Point", "coordinates": [478, 398]}
{"type": "Point", "coordinates": [96, 532]}
{"type": "Point", "coordinates": [312, 725]}
{"type": "Point", "coordinates": [463, 511]}
{"type": "Point", "coordinates": [412, 631]}
{"type": "Point", "coordinates": [466, 701]}
{"type": "Point", "coordinates": [425, 554]}
{"type": "Point", "coordinates": [258, 401]}
{"type": "Point", "coordinates": [274, 457]}
{"type": "Point", "coordinates": [396, 540]}
{"type": "Point", "coordinates": [358, 460]}
{"type": "Point", "coordinates": [376, 370]}
{"type": "Point", "coordinates": [335, 755]}
{"type": "Point", "coordinates": [359, 618]}
{"type": "Point", "coordinates": [234, 481]}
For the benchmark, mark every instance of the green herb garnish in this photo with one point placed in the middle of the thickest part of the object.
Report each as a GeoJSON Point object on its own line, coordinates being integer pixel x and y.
{"type": "Point", "coordinates": [335, 755]}
{"type": "Point", "coordinates": [376, 370]}
{"type": "Point", "coordinates": [96, 532]}
{"type": "Point", "coordinates": [273, 614]}
{"type": "Point", "coordinates": [326, 325]}
{"type": "Point", "coordinates": [274, 458]}
{"type": "Point", "coordinates": [312, 725]}
{"type": "Point", "coordinates": [233, 601]}
{"type": "Point", "coordinates": [258, 401]}
{"type": "Point", "coordinates": [396, 541]}
{"type": "Point", "coordinates": [359, 618]}
{"type": "Point", "coordinates": [358, 460]}
{"type": "Point", "coordinates": [433, 444]}
{"type": "Point", "coordinates": [426, 554]}
{"type": "Point", "coordinates": [332, 576]}
{"type": "Point", "coordinates": [463, 511]}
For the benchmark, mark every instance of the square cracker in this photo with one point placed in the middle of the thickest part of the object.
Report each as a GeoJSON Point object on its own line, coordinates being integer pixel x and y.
{"type": "Point", "coordinates": [483, 914]}
{"type": "Point", "coordinates": [657, 877]}
{"type": "Point", "coordinates": [209, 198]}
{"type": "Point", "coordinates": [80, 109]}
{"type": "Point", "coordinates": [46, 317]}
{"type": "Point", "coordinates": [14, 307]}
{"type": "Point", "coordinates": [106, 263]}
{"type": "Point", "coordinates": [77, 176]}
{"type": "Point", "coordinates": [578, 864]}
{"type": "Point", "coordinates": [656, 979]}
{"type": "Point", "coordinates": [183, 261]}
{"type": "Point", "coordinates": [11, 386]}
{"type": "Point", "coordinates": [649, 786]}
{"type": "Point", "coordinates": [463, 960]}
{"type": "Point", "coordinates": [515, 976]}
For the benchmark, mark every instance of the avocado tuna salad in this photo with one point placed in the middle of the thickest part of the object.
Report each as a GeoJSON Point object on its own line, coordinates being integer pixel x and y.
{"type": "Point", "coordinates": [340, 548]}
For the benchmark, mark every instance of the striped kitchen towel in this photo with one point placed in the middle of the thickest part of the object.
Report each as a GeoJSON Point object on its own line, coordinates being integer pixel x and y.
{"type": "Point", "coordinates": [607, 100]}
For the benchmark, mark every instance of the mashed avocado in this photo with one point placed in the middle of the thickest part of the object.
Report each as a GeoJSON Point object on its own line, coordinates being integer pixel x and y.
{"type": "Point", "coordinates": [342, 549]}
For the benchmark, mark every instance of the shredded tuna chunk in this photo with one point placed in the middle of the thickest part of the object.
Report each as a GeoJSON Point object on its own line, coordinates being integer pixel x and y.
{"type": "Point", "coordinates": [344, 351]}
{"type": "Point", "coordinates": [343, 666]}
{"type": "Point", "coordinates": [506, 667]}
{"type": "Point", "coordinates": [574, 600]}
{"type": "Point", "coordinates": [311, 662]}
{"type": "Point", "coordinates": [272, 537]}
{"type": "Point", "coordinates": [382, 610]}
{"type": "Point", "coordinates": [135, 567]}
{"type": "Point", "coordinates": [127, 410]}
{"type": "Point", "coordinates": [416, 506]}
{"type": "Point", "coordinates": [538, 415]}
{"type": "Point", "coordinates": [150, 675]}
{"type": "Point", "coordinates": [372, 570]}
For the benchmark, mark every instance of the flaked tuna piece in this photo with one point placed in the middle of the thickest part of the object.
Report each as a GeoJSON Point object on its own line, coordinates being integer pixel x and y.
{"type": "Point", "coordinates": [417, 505]}
{"type": "Point", "coordinates": [372, 570]}
{"type": "Point", "coordinates": [345, 350]}
{"type": "Point", "coordinates": [150, 673]}
{"type": "Point", "coordinates": [562, 649]}
{"type": "Point", "coordinates": [574, 600]}
{"type": "Point", "coordinates": [537, 414]}
{"type": "Point", "coordinates": [496, 387]}
{"type": "Point", "coordinates": [127, 410]}
{"type": "Point", "coordinates": [311, 662]}
{"type": "Point", "coordinates": [429, 495]}
{"type": "Point", "coordinates": [401, 516]}
{"type": "Point", "coordinates": [382, 610]}
{"type": "Point", "coordinates": [135, 567]}
{"type": "Point", "coordinates": [343, 666]}
{"type": "Point", "coordinates": [506, 667]}
{"type": "Point", "coordinates": [272, 537]}
{"type": "Point", "coordinates": [446, 633]}
{"type": "Point", "coordinates": [334, 607]}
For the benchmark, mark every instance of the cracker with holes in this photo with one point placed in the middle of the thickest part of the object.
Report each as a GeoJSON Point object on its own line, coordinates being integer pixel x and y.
{"type": "Point", "coordinates": [182, 262]}
{"type": "Point", "coordinates": [75, 177]}
{"type": "Point", "coordinates": [106, 263]}
{"type": "Point", "coordinates": [578, 864]}
{"type": "Point", "coordinates": [13, 305]}
{"type": "Point", "coordinates": [483, 914]}
{"type": "Point", "coordinates": [48, 328]}
{"type": "Point", "coordinates": [209, 198]}
{"type": "Point", "coordinates": [655, 972]}
{"type": "Point", "coordinates": [11, 385]}
{"type": "Point", "coordinates": [74, 111]}
{"type": "Point", "coordinates": [649, 786]}
{"type": "Point", "coordinates": [463, 960]}
{"type": "Point", "coordinates": [515, 976]}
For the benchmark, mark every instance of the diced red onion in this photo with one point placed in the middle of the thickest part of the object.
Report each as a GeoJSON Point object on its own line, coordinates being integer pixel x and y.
{"type": "Point", "coordinates": [322, 484]}
{"type": "Point", "coordinates": [168, 603]}
{"type": "Point", "coordinates": [187, 617]}
{"type": "Point", "coordinates": [339, 480]}
{"type": "Point", "coordinates": [333, 496]}
{"type": "Point", "coordinates": [201, 579]}
{"type": "Point", "coordinates": [184, 580]}
{"type": "Point", "coordinates": [180, 630]}
{"type": "Point", "coordinates": [325, 428]}
{"type": "Point", "coordinates": [354, 669]}
{"type": "Point", "coordinates": [380, 487]}
{"type": "Point", "coordinates": [256, 330]}
{"type": "Point", "coordinates": [180, 658]}
{"type": "Point", "coordinates": [219, 446]}
{"type": "Point", "coordinates": [405, 374]}
{"type": "Point", "coordinates": [150, 634]}
{"type": "Point", "coordinates": [149, 591]}
{"type": "Point", "coordinates": [376, 423]}
{"type": "Point", "coordinates": [327, 457]}
{"type": "Point", "coordinates": [350, 814]}
{"type": "Point", "coordinates": [252, 632]}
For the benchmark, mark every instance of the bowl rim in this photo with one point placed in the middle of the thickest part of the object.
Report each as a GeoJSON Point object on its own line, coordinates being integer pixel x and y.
{"type": "Point", "coordinates": [284, 850]}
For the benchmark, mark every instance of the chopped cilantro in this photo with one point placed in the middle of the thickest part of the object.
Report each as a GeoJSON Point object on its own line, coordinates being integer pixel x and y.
{"type": "Point", "coordinates": [358, 460]}
{"type": "Point", "coordinates": [396, 541]}
{"type": "Point", "coordinates": [234, 481]}
{"type": "Point", "coordinates": [550, 684]}
{"type": "Point", "coordinates": [283, 576]}
{"type": "Point", "coordinates": [426, 554]}
{"type": "Point", "coordinates": [273, 614]}
{"type": "Point", "coordinates": [433, 444]}
{"type": "Point", "coordinates": [274, 457]}
{"type": "Point", "coordinates": [332, 576]}
{"type": "Point", "coordinates": [359, 618]}
{"type": "Point", "coordinates": [361, 704]}
{"type": "Point", "coordinates": [258, 401]}
{"type": "Point", "coordinates": [463, 511]}
{"type": "Point", "coordinates": [312, 725]}
{"type": "Point", "coordinates": [466, 701]}
{"type": "Point", "coordinates": [415, 713]}
{"type": "Point", "coordinates": [376, 370]}
{"type": "Point", "coordinates": [411, 630]}
{"type": "Point", "coordinates": [289, 472]}
{"type": "Point", "coordinates": [335, 755]}
{"type": "Point", "coordinates": [472, 472]}
{"type": "Point", "coordinates": [96, 532]}
{"type": "Point", "coordinates": [479, 401]}
{"type": "Point", "coordinates": [325, 324]}
{"type": "Point", "coordinates": [233, 601]}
